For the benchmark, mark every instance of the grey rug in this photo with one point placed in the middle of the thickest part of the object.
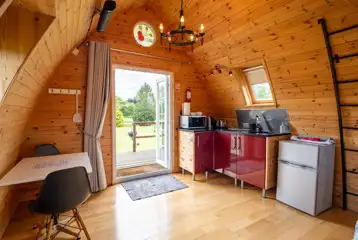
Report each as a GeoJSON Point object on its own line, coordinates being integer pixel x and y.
{"type": "Point", "coordinates": [153, 186]}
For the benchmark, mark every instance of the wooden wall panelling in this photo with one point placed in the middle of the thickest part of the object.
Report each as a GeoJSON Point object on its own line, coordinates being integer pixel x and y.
{"type": "Point", "coordinates": [353, 2]}
{"type": "Point", "coordinates": [27, 85]}
{"type": "Point", "coordinates": [52, 122]}
{"type": "Point", "coordinates": [20, 30]}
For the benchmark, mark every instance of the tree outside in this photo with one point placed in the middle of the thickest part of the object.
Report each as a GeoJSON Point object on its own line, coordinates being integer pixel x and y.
{"type": "Point", "coordinates": [140, 108]}
{"type": "Point", "coordinates": [144, 110]}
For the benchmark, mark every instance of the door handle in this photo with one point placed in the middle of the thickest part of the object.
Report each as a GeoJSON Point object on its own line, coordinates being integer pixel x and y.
{"type": "Point", "coordinates": [235, 142]}
{"type": "Point", "coordinates": [239, 140]}
{"type": "Point", "coordinates": [198, 141]}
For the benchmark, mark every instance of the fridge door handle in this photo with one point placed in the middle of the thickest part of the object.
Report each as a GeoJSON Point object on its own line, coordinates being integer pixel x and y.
{"type": "Point", "coordinates": [297, 165]}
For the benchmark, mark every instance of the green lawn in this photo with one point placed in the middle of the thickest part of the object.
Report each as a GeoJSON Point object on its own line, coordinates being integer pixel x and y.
{"type": "Point", "coordinates": [124, 142]}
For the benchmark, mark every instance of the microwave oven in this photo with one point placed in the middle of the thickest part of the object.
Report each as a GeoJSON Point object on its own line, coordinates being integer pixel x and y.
{"type": "Point", "coordinates": [193, 122]}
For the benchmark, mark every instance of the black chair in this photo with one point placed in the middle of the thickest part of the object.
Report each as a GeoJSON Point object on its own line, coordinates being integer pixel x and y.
{"type": "Point", "coordinates": [46, 150]}
{"type": "Point", "coordinates": [61, 192]}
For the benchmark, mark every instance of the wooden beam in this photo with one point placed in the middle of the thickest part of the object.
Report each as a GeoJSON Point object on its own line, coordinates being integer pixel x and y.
{"type": "Point", "coordinates": [4, 6]}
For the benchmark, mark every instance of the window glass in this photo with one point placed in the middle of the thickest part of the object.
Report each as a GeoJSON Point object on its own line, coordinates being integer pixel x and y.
{"type": "Point", "coordinates": [259, 85]}
{"type": "Point", "coordinates": [262, 91]}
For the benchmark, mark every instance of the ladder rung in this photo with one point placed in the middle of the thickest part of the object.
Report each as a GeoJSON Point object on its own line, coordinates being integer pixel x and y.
{"type": "Point", "coordinates": [347, 81]}
{"type": "Point", "coordinates": [348, 171]}
{"type": "Point", "coordinates": [343, 29]}
{"type": "Point", "coordinates": [351, 150]}
{"type": "Point", "coordinates": [337, 58]}
{"type": "Point", "coordinates": [354, 194]}
{"type": "Point", "coordinates": [348, 105]}
{"type": "Point", "coordinates": [350, 128]}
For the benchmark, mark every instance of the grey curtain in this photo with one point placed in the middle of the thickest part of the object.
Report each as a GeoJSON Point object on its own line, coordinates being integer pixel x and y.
{"type": "Point", "coordinates": [98, 93]}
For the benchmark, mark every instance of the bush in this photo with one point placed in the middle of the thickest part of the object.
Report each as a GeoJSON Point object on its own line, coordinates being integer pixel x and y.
{"type": "Point", "coordinates": [119, 118]}
{"type": "Point", "coordinates": [127, 109]}
{"type": "Point", "coordinates": [143, 113]}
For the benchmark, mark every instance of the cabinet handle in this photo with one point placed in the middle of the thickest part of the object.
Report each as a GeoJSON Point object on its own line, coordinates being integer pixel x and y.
{"type": "Point", "coordinates": [239, 139]}
{"type": "Point", "coordinates": [235, 142]}
{"type": "Point", "coordinates": [198, 141]}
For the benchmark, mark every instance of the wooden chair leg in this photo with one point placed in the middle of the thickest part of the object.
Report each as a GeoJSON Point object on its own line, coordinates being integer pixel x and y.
{"type": "Point", "coordinates": [41, 228]}
{"type": "Point", "coordinates": [49, 229]}
{"type": "Point", "coordinates": [83, 226]}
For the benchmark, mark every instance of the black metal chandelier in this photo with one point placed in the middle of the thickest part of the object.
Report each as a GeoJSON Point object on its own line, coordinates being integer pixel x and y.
{"type": "Point", "coordinates": [182, 36]}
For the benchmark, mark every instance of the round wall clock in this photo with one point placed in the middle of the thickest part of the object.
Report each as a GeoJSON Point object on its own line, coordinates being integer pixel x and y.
{"type": "Point", "coordinates": [144, 34]}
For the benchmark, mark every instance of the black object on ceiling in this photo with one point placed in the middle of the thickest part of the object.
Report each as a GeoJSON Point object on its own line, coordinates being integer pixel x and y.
{"type": "Point", "coordinates": [106, 13]}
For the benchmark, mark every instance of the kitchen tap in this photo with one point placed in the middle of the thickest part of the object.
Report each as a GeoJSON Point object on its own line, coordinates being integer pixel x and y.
{"type": "Point", "coordinates": [258, 125]}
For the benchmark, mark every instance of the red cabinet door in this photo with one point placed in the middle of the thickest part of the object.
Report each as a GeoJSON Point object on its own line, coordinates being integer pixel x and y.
{"type": "Point", "coordinates": [251, 160]}
{"type": "Point", "coordinates": [203, 151]}
{"type": "Point", "coordinates": [222, 149]}
{"type": "Point", "coordinates": [232, 166]}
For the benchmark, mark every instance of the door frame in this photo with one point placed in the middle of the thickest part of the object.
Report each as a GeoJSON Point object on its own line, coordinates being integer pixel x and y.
{"type": "Point", "coordinates": [171, 132]}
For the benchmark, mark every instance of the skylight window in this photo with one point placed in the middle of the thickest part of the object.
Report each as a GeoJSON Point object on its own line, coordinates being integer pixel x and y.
{"type": "Point", "coordinates": [256, 86]}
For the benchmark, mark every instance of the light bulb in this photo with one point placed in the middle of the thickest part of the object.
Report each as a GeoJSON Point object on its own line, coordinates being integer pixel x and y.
{"type": "Point", "coordinates": [201, 28]}
{"type": "Point", "coordinates": [182, 20]}
{"type": "Point", "coordinates": [169, 38]}
{"type": "Point", "coordinates": [230, 73]}
{"type": "Point", "coordinates": [191, 37]}
{"type": "Point", "coordinates": [161, 27]}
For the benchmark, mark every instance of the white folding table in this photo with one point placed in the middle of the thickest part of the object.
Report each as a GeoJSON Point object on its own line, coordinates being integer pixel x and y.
{"type": "Point", "coordinates": [37, 168]}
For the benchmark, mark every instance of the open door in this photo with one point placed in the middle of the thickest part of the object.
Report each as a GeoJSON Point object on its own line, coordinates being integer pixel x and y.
{"type": "Point", "coordinates": [142, 122]}
{"type": "Point", "coordinates": [162, 122]}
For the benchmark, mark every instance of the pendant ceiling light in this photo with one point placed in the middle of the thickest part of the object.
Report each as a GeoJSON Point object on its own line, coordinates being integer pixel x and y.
{"type": "Point", "coordinates": [182, 36]}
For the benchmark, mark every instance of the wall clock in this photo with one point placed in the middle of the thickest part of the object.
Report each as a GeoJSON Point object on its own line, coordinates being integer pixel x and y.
{"type": "Point", "coordinates": [144, 34]}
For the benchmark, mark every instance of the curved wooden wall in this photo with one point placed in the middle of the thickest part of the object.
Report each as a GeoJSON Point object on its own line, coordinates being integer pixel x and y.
{"type": "Point", "coordinates": [67, 29]}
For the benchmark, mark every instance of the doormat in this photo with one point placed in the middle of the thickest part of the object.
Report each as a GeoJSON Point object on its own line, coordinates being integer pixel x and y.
{"type": "Point", "coordinates": [153, 186]}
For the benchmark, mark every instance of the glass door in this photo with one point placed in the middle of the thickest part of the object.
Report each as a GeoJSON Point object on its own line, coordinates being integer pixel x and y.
{"type": "Point", "coordinates": [162, 122]}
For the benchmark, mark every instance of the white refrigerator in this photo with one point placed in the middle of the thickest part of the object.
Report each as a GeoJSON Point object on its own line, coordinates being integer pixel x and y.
{"type": "Point", "coordinates": [305, 176]}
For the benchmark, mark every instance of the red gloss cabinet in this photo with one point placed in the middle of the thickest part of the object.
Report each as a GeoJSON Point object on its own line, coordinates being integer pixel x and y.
{"type": "Point", "coordinates": [203, 152]}
{"type": "Point", "coordinates": [242, 157]}
{"type": "Point", "coordinates": [222, 144]}
{"type": "Point", "coordinates": [251, 159]}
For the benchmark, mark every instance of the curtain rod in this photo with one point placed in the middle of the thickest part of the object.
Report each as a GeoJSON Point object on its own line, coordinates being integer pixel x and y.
{"type": "Point", "coordinates": [149, 56]}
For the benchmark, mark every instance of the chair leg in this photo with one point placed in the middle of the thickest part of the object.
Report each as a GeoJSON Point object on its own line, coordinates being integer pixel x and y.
{"type": "Point", "coordinates": [49, 229]}
{"type": "Point", "coordinates": [41, 227]}
{"type": "Point", "coordinates": [79, 218]}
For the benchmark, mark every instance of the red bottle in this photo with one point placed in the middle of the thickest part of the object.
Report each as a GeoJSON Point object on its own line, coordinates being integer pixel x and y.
{"type": "Point", "coordinates": [188, 95]}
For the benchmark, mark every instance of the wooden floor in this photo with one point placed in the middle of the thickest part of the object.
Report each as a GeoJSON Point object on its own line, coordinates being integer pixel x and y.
{"type": "Point", "coordinates": [205, 211]}
{"type": "Point", "coordinates": [138, 170]}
